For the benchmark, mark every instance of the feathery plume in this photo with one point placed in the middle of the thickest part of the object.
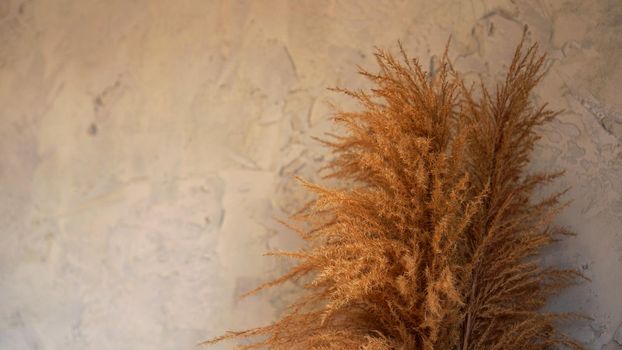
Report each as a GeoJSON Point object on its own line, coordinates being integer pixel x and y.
{"type": "Point", "coordinates": [434, 242]}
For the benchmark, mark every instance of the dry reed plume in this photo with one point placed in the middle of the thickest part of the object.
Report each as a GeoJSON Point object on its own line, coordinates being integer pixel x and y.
{"type": "Point", "coordinates": [434, 243]}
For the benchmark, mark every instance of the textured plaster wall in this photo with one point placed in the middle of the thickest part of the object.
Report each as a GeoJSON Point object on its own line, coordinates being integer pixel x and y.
{"type": "Point", "coordinates": [146, 146]}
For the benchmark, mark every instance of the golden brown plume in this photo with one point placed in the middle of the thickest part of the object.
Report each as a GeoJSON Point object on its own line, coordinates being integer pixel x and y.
{"type": "Point", "coordinates": [434, 242]}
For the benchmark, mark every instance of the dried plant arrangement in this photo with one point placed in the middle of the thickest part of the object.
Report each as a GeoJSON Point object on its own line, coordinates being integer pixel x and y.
{"type": "Point", "coordinates": [434, 243]}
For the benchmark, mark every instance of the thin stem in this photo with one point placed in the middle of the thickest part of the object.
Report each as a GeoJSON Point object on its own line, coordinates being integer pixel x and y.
{"type": "Point", "coordinates": [469, 324]}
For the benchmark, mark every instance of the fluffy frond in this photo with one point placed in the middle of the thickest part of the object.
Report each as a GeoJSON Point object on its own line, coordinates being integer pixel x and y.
{"type": "Point", "coordinates": [434, 242]}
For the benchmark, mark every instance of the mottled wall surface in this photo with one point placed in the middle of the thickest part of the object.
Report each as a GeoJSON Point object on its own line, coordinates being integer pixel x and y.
{"type": "Point", "coordinates": [146, 147]}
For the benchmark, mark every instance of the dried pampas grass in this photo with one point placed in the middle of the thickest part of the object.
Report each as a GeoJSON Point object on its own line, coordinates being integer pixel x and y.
{"type": "Point", "coordinates": [434, 243]}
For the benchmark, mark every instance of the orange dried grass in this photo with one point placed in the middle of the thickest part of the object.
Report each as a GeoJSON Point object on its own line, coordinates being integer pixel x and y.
{"type": "Point", "coordinates": [433, 244]}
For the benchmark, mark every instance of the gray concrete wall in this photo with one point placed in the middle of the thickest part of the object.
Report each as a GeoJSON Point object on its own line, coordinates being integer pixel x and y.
{"type": "Point", "coordinates": [145, 147]}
